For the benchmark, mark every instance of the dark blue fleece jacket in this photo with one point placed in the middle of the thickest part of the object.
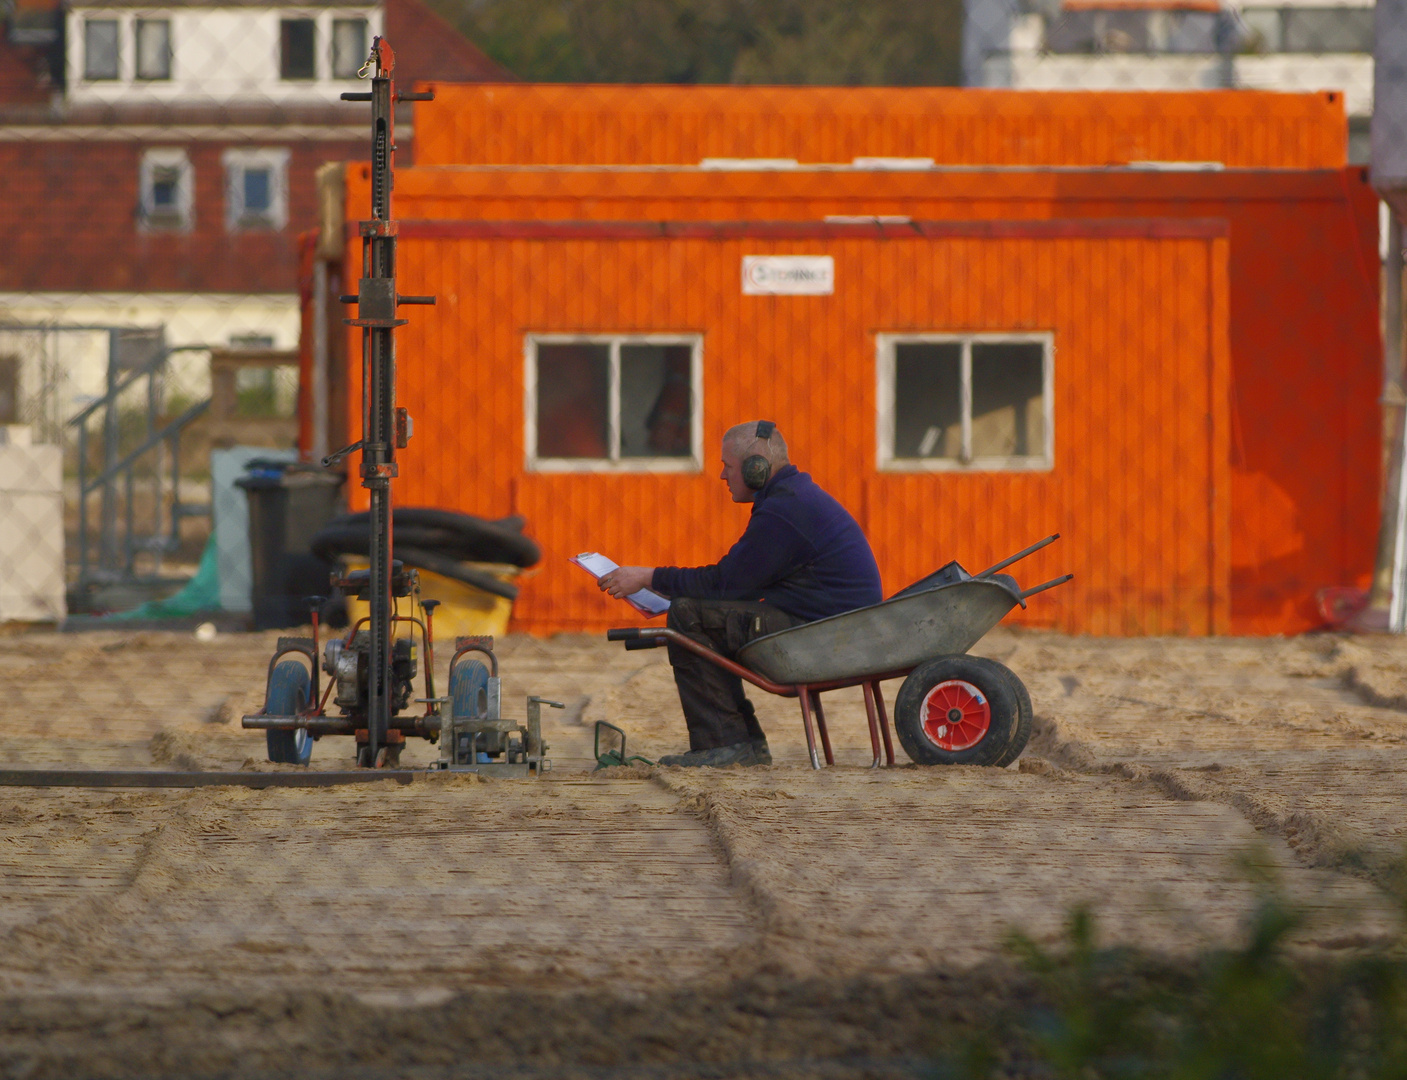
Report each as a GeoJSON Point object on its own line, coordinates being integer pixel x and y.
{"type": "Point", "coordinates": [801, 551]}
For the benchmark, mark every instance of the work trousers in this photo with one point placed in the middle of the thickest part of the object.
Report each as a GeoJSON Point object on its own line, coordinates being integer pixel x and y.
{"type": "Point", "coordinates": [716, 710]}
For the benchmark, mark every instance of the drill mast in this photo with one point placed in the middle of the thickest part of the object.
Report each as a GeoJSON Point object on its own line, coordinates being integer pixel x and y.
{"type": "Point", "coordinates": [385, 428]}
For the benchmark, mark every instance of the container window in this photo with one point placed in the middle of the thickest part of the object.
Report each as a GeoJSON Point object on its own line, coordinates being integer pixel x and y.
{"type": "Point", "coordinates": [573, 401]}
{"type": "Point", "coordinates": [656, 401]}
{"type": "Point", "coordinates": [976, 402]}
{"type": "Point", "coordinates": [928, 406]}
{"type": "Point", "coordinates": [1008, 393]}
{"type": "Point", "coordinates": [626, 403]}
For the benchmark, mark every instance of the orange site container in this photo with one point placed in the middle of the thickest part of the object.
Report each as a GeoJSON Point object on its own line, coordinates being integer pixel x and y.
{"type": "Point", "coordinates": [527, 124]}
{"type": "Point", "coordinates": [1215, 433]}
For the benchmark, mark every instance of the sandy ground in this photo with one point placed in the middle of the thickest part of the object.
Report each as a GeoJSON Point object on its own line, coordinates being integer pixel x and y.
{"type": "Point", "coordinates": [661, 920]}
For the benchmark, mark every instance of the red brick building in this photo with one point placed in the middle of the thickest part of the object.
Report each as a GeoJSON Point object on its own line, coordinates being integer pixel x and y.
{"type": "Point", "coordinates": [160, 161]}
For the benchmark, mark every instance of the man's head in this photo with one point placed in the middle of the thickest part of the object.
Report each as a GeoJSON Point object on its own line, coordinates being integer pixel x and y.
{"type": "Point", "coordinates": [740, 442]}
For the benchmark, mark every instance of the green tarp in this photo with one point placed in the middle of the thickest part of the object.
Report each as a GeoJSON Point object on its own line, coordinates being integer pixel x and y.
{"type": "Point", "coordinates": [201, 593]}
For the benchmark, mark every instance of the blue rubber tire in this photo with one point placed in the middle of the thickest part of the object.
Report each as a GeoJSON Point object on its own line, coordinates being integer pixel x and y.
{"type": "Point", "coordinates": [469, 689]}
{"type": "Point", "coordinates": [287, 694]}
{"type": "Point", "coordinates": [469, 693]}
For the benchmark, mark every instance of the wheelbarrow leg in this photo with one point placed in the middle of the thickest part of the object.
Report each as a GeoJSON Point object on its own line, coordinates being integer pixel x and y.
{"type": "Point", "coordinates": [883, 723]}
{"type": "Point", "coordinates": [821, 727]}
{"type": "Point", "coordinates": [804, 696]}
{"type": "Point", "coordinates": [874, 724]}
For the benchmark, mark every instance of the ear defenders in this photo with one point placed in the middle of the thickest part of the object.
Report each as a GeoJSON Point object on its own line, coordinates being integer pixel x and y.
{"type": "Point", "coordinates": [757, 470]}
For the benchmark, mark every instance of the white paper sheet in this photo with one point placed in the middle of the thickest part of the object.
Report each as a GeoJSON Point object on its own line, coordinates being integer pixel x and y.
{"type": "Point", "coordinates": [646, 601]}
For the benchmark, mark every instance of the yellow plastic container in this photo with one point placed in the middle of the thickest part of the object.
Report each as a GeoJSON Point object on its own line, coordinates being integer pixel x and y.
{"type": "Point", "coordinates": [463, 609]}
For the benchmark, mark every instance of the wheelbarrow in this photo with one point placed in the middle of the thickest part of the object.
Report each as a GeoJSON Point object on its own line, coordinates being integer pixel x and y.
{"type": "Point", "coordinates": [952, 709]}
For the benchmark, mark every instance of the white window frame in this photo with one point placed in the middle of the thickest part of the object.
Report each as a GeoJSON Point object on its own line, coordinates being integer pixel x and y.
{"type": "Point", "coordinates": [320, 30]}
{"type": "Point", "coordinates": [137, 24]}
{"type": "Point", "coordinates": [691, 464]}
{"type": "Point", "coordinates": [104, 17]}
{"type": "Point", "coordinates": [162, 158]}
{"type": "Point", "coordinates": [332, 21]}
{"type": "Point", "coordinates": [885, 352]}
{"type": "Point", "coordinates": [235, 164]}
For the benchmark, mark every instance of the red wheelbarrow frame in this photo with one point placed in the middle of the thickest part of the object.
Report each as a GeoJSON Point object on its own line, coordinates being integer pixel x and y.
{"type": "Point", "coordinates": [809, 694]}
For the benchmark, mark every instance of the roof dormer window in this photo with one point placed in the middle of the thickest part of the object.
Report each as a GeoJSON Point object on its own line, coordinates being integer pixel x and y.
{"type": "Point", "coordinates": [297, 59]}
{"type": "Point", "coordinates": [101, 55]}
{"type": "Point", "coordinates": [153, 49]}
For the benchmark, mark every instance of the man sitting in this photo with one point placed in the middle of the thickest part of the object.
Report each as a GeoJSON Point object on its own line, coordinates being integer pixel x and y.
{"type": "Point", "coordinates": [802, 557]}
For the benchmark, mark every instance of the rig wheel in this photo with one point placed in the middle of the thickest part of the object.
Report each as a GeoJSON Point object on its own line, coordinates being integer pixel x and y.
{"type": "Point", "coordinates": [469, 698]}
{"type": "Point", "coordinates": [288, 694]}
{"type": "Point", "coordinates": [469, 690]}
{"type": "Point", "coordinates": [959, 710]}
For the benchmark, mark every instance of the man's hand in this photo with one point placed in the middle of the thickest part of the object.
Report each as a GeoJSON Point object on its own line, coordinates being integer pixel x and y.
{"type": "Point", "coordinates": [624, 581]}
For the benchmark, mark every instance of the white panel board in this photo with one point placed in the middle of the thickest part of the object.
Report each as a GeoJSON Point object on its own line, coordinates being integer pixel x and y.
{"type": "Point", "coordinates": [31, 534]}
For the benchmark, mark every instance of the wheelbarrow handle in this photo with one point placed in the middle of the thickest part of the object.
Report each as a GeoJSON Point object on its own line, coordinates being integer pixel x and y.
{"type": "Point", "coordinates": [623, 633]}
{"type": "Point", "coordinates": [1052, 583]}
{"type": "Point", "coordinates": [643, 643]}
{"type": "Point", "coordinates": [1052, 538]}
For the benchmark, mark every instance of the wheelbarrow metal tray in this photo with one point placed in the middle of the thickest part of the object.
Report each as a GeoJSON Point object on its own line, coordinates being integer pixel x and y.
{"type": "Point", "coordinates": [895, 635]}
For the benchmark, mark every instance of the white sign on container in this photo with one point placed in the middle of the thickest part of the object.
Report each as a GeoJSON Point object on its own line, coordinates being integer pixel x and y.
{"type": "Point", "coordinates": [788, 275]}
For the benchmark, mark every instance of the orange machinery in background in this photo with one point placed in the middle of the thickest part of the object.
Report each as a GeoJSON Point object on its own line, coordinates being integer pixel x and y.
{"type": "Point", "coordinates": [1215, 451]}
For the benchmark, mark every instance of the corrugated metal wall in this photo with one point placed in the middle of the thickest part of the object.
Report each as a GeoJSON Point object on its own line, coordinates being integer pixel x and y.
{"type": "Point", "coordinates": [1303, 307]}
{"type": "Point", "coordinates": [1138, 312]}
{"type": "Point", "coordinates": [556, 124]}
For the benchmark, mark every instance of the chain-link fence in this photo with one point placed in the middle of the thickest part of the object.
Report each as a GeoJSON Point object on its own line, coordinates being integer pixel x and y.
{"type": "Point", "coordinates": [163, 162]}
{"type": "Point", "coordinates": [160, 164]}
{"type": "Point", "coordinates": [1137, 282]}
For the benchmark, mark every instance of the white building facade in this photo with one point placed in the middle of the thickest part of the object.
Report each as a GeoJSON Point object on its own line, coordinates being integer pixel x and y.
{"type": "Point", "coordinates": [1285, 45]}
{"type": "Point", "coordinates": [162, 165]}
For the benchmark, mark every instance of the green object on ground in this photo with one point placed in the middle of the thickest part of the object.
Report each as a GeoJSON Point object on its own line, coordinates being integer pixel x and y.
{"type": "Point", "coordinates": [607, 758]}
{"type": "Point", "coordinates": [200, 593]}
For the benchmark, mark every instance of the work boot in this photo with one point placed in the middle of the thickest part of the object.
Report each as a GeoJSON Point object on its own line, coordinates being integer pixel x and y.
{"type": "Point", "coordinates": [761, 754]}
{"type": "Point", "coordinates": [719, 757]}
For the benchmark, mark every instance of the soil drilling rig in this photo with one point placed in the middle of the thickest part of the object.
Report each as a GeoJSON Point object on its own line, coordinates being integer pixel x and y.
{"type": "Point", "coordinates": [371, 671]}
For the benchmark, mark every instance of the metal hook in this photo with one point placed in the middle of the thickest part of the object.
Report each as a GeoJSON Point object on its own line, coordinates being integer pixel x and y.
{"type": "Point", "coordinates": [373, 59]}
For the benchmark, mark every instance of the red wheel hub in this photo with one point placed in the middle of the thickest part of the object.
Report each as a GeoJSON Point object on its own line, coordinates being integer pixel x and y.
{"type": "Point", "coordinates": [956, 715]}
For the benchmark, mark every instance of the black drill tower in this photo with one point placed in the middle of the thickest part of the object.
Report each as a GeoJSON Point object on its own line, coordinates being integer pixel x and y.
{"type": "Point", "coordinates": [385, 428]}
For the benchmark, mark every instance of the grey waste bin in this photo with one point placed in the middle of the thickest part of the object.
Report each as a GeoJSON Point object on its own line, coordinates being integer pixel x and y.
{"type": "Point", "coordinates": [288, 504]}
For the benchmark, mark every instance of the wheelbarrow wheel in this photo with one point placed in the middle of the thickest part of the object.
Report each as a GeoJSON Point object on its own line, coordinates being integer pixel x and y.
{"type": "Point", "coordinates": [287, 695]}
{"type": "Point", "coordinates": [1026, 717]}
{"type": "Point", "coordinates": [958, 710]}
